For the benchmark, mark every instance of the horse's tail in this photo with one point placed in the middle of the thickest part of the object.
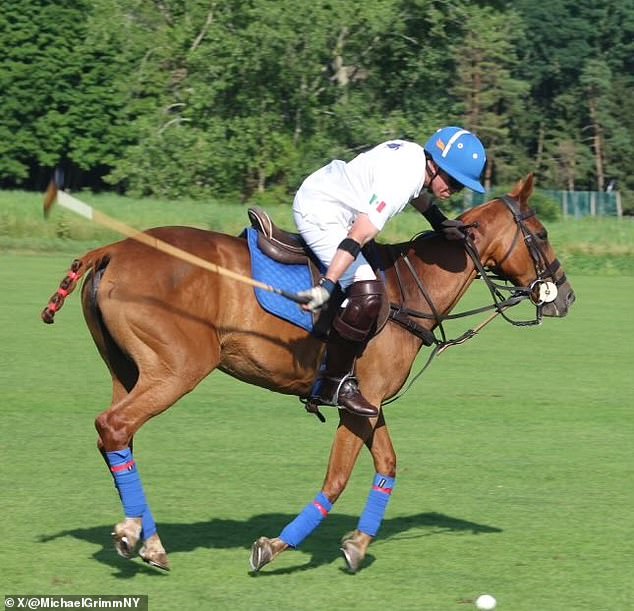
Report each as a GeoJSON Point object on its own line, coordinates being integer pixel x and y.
{"type": "Point", "coordinates": [92, 260]}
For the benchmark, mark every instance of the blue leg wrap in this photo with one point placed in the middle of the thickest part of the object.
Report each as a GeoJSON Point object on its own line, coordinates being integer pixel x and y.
{"type": "Point", "coordinates": [148, 524]}
{"type": "Point", "coordinates": [128, 483]}
{"type": "Point", "coordinates": [379, 496]}
{"type": "Point", "coordinates": [307, 521]}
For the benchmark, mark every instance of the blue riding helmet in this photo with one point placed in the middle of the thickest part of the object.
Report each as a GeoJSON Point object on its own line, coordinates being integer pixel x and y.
{"type": "Point", "coordinates": [460, 154]}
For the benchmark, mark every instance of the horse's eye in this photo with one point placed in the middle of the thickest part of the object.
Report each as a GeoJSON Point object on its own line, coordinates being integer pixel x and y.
{"type": "Point", "coordinates": [543, 235]}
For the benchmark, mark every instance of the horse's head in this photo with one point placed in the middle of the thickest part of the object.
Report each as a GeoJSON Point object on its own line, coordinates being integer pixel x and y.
{"type": "Point", "coordinates": [513, 243]}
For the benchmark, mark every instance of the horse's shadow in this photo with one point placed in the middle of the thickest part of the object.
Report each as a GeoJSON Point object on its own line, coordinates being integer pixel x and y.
{"type": "Point", "coordinates": [229, 534]}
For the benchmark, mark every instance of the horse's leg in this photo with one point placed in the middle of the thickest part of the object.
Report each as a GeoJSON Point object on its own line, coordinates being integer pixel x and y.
{"type": "Point", "coordinates": [116, 427]}
{"type": "Point", "coordinates": [352, 432]}
{"type": "Point", "coordinates": [355, 544]}
{"type": "Point", "coordinates": [126, 534]}
{"type": "Point", "coordinates": [163, 380]}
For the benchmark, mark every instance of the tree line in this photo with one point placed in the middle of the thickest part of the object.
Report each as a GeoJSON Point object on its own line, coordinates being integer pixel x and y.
{"type": "Point", "coordinates": [235, 98]}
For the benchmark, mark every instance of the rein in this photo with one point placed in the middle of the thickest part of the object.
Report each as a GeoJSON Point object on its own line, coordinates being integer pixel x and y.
{"type": "Point", "coordinates": [403, 316]}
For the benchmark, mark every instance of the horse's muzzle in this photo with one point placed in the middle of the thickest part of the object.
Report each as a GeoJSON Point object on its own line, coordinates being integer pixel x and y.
{"type": "Point", "coordinates": [561, 304]}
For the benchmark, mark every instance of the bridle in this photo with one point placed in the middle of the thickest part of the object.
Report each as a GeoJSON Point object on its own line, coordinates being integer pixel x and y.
{"type": "Point", "coordinates": [542, 290]}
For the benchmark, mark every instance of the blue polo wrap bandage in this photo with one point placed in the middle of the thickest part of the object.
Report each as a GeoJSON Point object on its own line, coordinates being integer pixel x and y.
{"type": "Point", "coordinates": [375, 508]}
{"type": "Point", "coordinates": [307, 521]}
{"type": "Point", "coordinates": [128, 483]}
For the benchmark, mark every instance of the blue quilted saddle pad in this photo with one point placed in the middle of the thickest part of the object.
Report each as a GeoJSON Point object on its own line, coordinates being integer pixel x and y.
{"type": "Point", "coordinates": [291, 278]}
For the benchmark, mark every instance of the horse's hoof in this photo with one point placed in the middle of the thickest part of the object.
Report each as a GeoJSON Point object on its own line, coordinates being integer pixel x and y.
{"type": "Point", "coordinates": [154, 553]}
{"type": "Point", "coordinates": [122, 545]}
{"type": "Point", "coordinates": [352, 553]}
{"type": "Point", "coordinates": [261, 554]}
{"type": "Point", "coordinates": [156, 559]}
{"type": "Point", "coordinates": [126, 537]}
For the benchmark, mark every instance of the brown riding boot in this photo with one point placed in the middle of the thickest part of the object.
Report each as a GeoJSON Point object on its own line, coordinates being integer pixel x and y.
{"type": "Point", "coordinates": [353, 327]}
{"type": "Point", "coordinates": [336, 384]}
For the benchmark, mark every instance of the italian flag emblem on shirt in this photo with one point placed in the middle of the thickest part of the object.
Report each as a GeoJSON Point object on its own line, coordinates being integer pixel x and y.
{"type": "Point", "coordinates": [380, 206]}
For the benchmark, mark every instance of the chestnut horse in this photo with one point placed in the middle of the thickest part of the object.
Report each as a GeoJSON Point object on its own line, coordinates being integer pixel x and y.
{"type": "Point", "coordinates": [162, 325]}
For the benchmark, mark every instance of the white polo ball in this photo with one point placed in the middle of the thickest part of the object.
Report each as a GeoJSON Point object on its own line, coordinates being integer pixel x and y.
{"type": "Point", "coordinates": [486, 602]}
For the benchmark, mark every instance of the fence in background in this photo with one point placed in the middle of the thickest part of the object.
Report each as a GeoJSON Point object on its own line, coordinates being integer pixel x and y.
{"type": "Point", "coordinates": [575, 204]}
{"type": "Point", "coordinates": [587, 203]}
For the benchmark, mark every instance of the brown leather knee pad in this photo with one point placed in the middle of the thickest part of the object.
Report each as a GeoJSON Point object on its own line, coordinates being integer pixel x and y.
{"type": "Point", "coordinates": [363, 312]}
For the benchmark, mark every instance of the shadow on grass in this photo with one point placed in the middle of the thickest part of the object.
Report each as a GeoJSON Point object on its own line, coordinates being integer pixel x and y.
{"type": "Point", "coordinates": [230, 534]}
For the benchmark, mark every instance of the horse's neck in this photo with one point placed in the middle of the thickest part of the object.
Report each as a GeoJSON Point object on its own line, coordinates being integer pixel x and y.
{"type": "Point", "coordinates": [442, 268]}
{"type": "Point", "coordinates": [443, 271]}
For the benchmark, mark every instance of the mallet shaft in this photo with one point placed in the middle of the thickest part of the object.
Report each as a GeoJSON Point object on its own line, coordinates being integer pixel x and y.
{"type": "Point", "coordinates": [78, 207]}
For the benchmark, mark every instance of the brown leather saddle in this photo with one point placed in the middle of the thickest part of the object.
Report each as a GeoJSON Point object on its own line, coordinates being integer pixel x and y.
{"type": "Point", "coordinates": [280, 245]}
{"type": "Point", "coordinates": [290, 249]}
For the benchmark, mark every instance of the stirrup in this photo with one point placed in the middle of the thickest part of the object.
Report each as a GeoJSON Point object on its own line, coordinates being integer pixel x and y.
{"type": "Point", "coordinates": [349, 377]}
{"type": "Point", "coordinates": [349, 397]}
{"type": "Point", "coordinates": [317, 397]}
{"type": "Point", "coordinates": [320, 391]}
{"type": "Point", "coordinates": [320, 394]}
{"type": "Point", "coordinates": [326, 389]}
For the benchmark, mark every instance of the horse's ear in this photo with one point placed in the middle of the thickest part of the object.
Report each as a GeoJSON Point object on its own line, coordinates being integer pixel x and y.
{"type": "Point", "coordinates": [524, 189]}
{"type": "Point", "coordinates": [527, 187]}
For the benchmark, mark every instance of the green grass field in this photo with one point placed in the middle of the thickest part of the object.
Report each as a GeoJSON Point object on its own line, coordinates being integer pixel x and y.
{"type": "Point", "coordinates": [515, 471]}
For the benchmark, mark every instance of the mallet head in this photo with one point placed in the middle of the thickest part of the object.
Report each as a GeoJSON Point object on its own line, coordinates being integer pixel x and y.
{"type": "Point", "coordinates": [57, 182]}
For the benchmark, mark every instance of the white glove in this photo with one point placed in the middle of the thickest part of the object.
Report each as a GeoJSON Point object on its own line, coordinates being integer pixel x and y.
{"type": "Point", "coordinates": [318, 295]}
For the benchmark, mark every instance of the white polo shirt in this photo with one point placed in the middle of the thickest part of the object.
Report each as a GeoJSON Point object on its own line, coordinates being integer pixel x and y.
{"type": "Point", "coordinates": [379, 182]}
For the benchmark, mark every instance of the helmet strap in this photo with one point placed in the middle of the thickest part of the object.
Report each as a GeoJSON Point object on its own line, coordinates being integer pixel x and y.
{"type": "Point", "coordinates": [435, 168]}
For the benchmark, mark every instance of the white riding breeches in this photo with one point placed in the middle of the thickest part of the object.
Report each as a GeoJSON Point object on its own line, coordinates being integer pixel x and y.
{"type": "Point", "coordinates": [323, 224]}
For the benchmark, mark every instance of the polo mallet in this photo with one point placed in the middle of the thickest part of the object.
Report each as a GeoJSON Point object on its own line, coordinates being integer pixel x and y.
{"type": "Point", "coordinates": [55, 193]}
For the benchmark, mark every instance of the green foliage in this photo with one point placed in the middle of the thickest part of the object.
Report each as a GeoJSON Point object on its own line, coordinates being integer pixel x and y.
{"type": "Point", "coordinates": [492, 99]}
{"type": "Point", "coordinates": [271, 198]}
{"type": "Point", "coordinates": [175, 162]}
{"type": "Point", "coordinates": [547, 208]}
{"type": "Point", "coordinates": [570, 45]}
{"type": "Point", "coordinates": [234, 98]}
